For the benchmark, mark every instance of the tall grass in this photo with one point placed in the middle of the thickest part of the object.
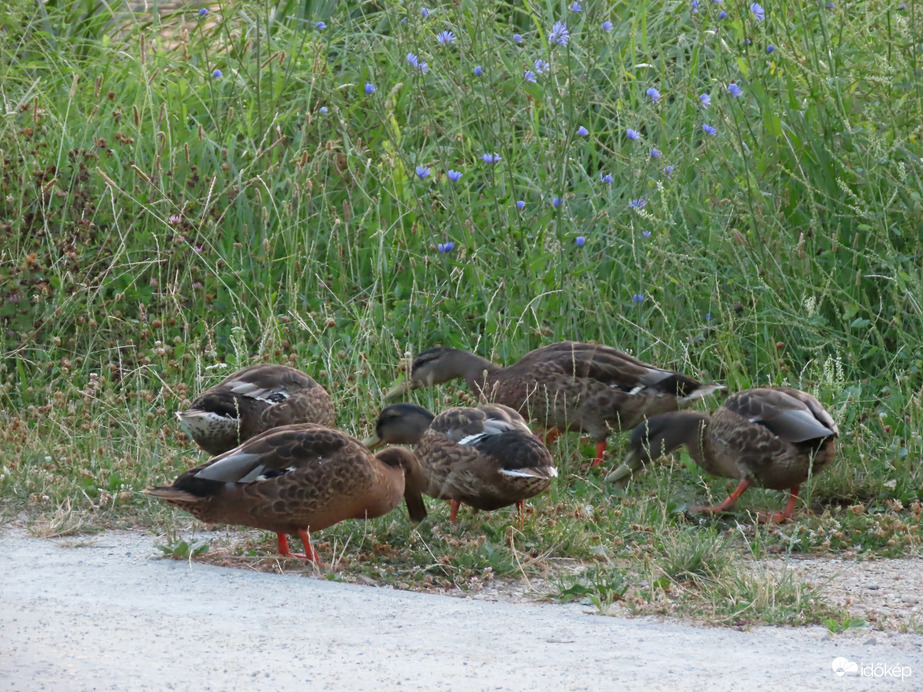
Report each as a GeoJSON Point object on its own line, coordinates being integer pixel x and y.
{"type": "Point", "coordinates": [158, 221]}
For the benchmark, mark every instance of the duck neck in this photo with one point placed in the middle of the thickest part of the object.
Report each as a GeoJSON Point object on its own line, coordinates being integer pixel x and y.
{"type": "Point", "coordinates": [478, 372]}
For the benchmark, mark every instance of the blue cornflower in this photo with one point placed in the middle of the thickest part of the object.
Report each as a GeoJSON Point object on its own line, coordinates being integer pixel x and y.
{"type": "Point", "coordinates": [722, 14]}
{"type": "Point", "coordinates": [446, 247]}
{"type": "Point", "coordinates": [580, 241]}
{"type": "Point", "coordinates": [639, 203]}
{"type": "Point", "coordinates": [203, 12]}
{"type": "Point", "coordinates": [445, 37]}
{"type": "Point", "coordinates": [770, 48]}
{"type": "Point", "coordinates": [606, 26]}
{"type": "Point", "coordinates": [646, 234]}
{"type": "Point", "coordinates": [606, 178]}
{"type": "Point", "coordinates": [424, 12]}
{"type": "Point", "coordinates": [735, 90]}
{"type": "Point", "coordinates": [667, 171]}
{"type": "Point", "coordinates": [478, 71]}
{"type": "Point", "coordinates": [582, 131]}
{"type": "Point", "coordinates": [520, 204]}
{"type": "Point", "coordinates": [708, 129]}
{"type": "Point", "coordinates": [490, 158]}
{"type": "Point", "coordinates": [632, 134]}
{"type": "Point", "coordinates": [758, 11]}
{"type": "Point", "coordinates": [517, 39]}
{"type": "Point", "coordinates": [706, 100]}
{"type": "Point", "coordinates": [323, 110]}
{"type": "Point", "coordinates": [540, 66]}
{"type": "Point", "coordinates": [453, 175]}
{"type": "Point", "coordinates": [529, 76]}
{"type": "Point", "coordinates": [654, 94]}
{"type": "Point", "coordinates": [575, 6]}
{"type": "Point", "coordinates": [422, 171]}
{"type": "Point", "coordinates": [321, 26]}
{"type": "Point", "coordinates": [413, 59]}
{"type": "Point", "coordinates": [655, 153]}
{"type": "Point", "coordinates": [637, 297]}
{"type": "Point", "coordinates": [559, 34]}
{"type": "Point", "coordinates": [556, 202]}
{"type": "Point", "coordinates": [370, 88]}
{"type": "Point", "coordinates": [217, 74]}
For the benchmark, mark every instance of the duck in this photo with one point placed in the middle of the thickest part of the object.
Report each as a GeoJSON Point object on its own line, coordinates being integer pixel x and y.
{"type": "Point", "coordinates": [252, 401]}
{"type": "Point", "coordinates": [770, 437]}
{"type": "Point", "coordinates": [295, 479]}
{"type": "Point", "coordinates": [567, 386]}
{"type": "Point", "coordinates": [485, 457]}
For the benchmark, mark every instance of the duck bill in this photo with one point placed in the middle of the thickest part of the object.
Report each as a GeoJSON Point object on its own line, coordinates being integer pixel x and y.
{"type": "Point", "coordinates": [625, 471]}
{"type": "Point", "coordinates": [372, 441]}
{"type": "Point", "coordinates": [399, 390]}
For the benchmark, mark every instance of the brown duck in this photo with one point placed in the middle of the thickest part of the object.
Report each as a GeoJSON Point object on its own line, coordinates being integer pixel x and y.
{"type": "Point", "coordinates": [775, 437]}
{"type": "Point", "coordinates": [298, 478]}
{"type": "Point", "coordinates": [485, 457]}
{"type": "Point", "coordinates": [252, 401]}
{"type": "Point", "coordinates": [570, 385]}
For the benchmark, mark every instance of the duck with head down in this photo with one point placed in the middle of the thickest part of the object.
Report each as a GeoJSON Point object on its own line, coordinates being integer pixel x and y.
{"type": "Point", "coordinates": [773, 437]}
{"type": "Point", "coordinates": [252, 401]}
{"type": "Point", "coordinates": [484, 457]}
{"type": "Point", "coordinates": [298, 478]}
{"type": "Point", "coordinates": [570, 385]}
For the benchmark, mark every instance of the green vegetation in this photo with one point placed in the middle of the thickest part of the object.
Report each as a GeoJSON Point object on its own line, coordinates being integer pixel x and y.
{"type": "Point", "coordinates": [161, 225]}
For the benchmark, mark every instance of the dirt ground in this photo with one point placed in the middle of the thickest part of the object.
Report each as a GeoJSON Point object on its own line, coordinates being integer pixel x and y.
{"type": "Point", "coordinates": [103, 613]}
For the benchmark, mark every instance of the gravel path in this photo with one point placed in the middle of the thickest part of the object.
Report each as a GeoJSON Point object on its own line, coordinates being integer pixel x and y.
{"type": "Point", "coordinates": [100, 613]}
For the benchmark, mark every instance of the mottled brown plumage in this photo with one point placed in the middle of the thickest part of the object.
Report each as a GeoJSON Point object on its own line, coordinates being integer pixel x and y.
{"type": "Point", "coordinates": [298, 478]}
{"type": "Point", "coordinates": [485, 457]}
{"type": "Point", "coordinates": [252, 401]}
{"type": "Point", "coordinates": [570, 385]}
{"type": "Point", "coordinates": [775, 437]}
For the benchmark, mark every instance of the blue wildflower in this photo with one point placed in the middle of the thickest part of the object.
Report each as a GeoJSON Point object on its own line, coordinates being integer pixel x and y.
{"type": "Point", "coordinates": [422, 171]}
{"type": "Point", "coordinates": [580, 241]}
{"type": "Point", "coordinates": [217, 74]}
{"type": "Point", "coordinates": [203, 12]}
{"type": "Point", "coordinates": [667, 171]}
{"type": "Point", "coordinates": [606, 178]}
{"type": "Point", "coordinates": [695, 6]}
{"type": "Point", "coordinates": [582, 131]}
{"type": "Point", "coordinates": [722, 14]}
{"type": "Point", "coordinates": [708, 129]}
{"type": "Point", "coordinates": [478, 71]}
{"type": "Point", "coordinates": [632, 134]}
{"type": "Point", "coordinates": [413, 59]}
{"type": "Point", "coordinates": [446, 247]}
{"type": "Point", "coordinates": [708, 317]}
{"type": "Point", "coordinates": [321, 26]}
{"type": "Point", "coordinates": [556, 202]}
{"type": "Point", "coordinates": [575, 6]}
{"type": "Point", "coordinates": [770, 48]}
{"type": "Point", "coordinates": [453, 175]}
{"type": "Point", "coordinates": [424, 67]}
{"type": "Point", "coordinates": [517, 39]}
{"type": "Point", "coordinates": [490, 158]}
{"type": "Point", "coordinates": [445, 37]}
{"type": "Point", "coordinates": [607, 26]}
{"type": "Point", "coordinates": [559, 34]}
{"type": "Point", "coordinates": [424, 12]}
{"type": "Point", "coordinates": [654, 94]}
{"type": "Point", "coordinates": [370, 88]}
{"type": "Point", "coordinates": [638, 203]}
{"type": "Point", "coordinates": [706, 100]}
{"type": "Point", "coordinates": [646, 234]}
{"type": "Point", "coordinates": [520, 204]}
{"type": "Point", "coordinates": [902, 6]}
{"type": "Point", "coordinates": [655, 153]}
{"type": "Point", "coordinates": [540, 66]}
{"type": "Point", "coordinates": [829, 5]}
{"type": "Point", "coordinates": [323, 110]}
{"type": "Point", "coordinates": [735, 90]}
{"type": "Point", "coordinates": [637, 297]}
{"type": "Point", "coordinates": [758, 11]}
{"type": "Point", "coordinates": [529, 76]}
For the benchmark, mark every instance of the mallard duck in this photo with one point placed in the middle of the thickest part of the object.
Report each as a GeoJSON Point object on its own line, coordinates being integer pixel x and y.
{"type": "Point", "coordinates": [566, 386]}
{"type": "Point", "coordinates": [298, 478]}
{"type": "Point", "coordinates": [252, 401]}
{"type": "Point", "coordinates": [774, 437]}
{"type": "Point", "coordinates": [485, 457]}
